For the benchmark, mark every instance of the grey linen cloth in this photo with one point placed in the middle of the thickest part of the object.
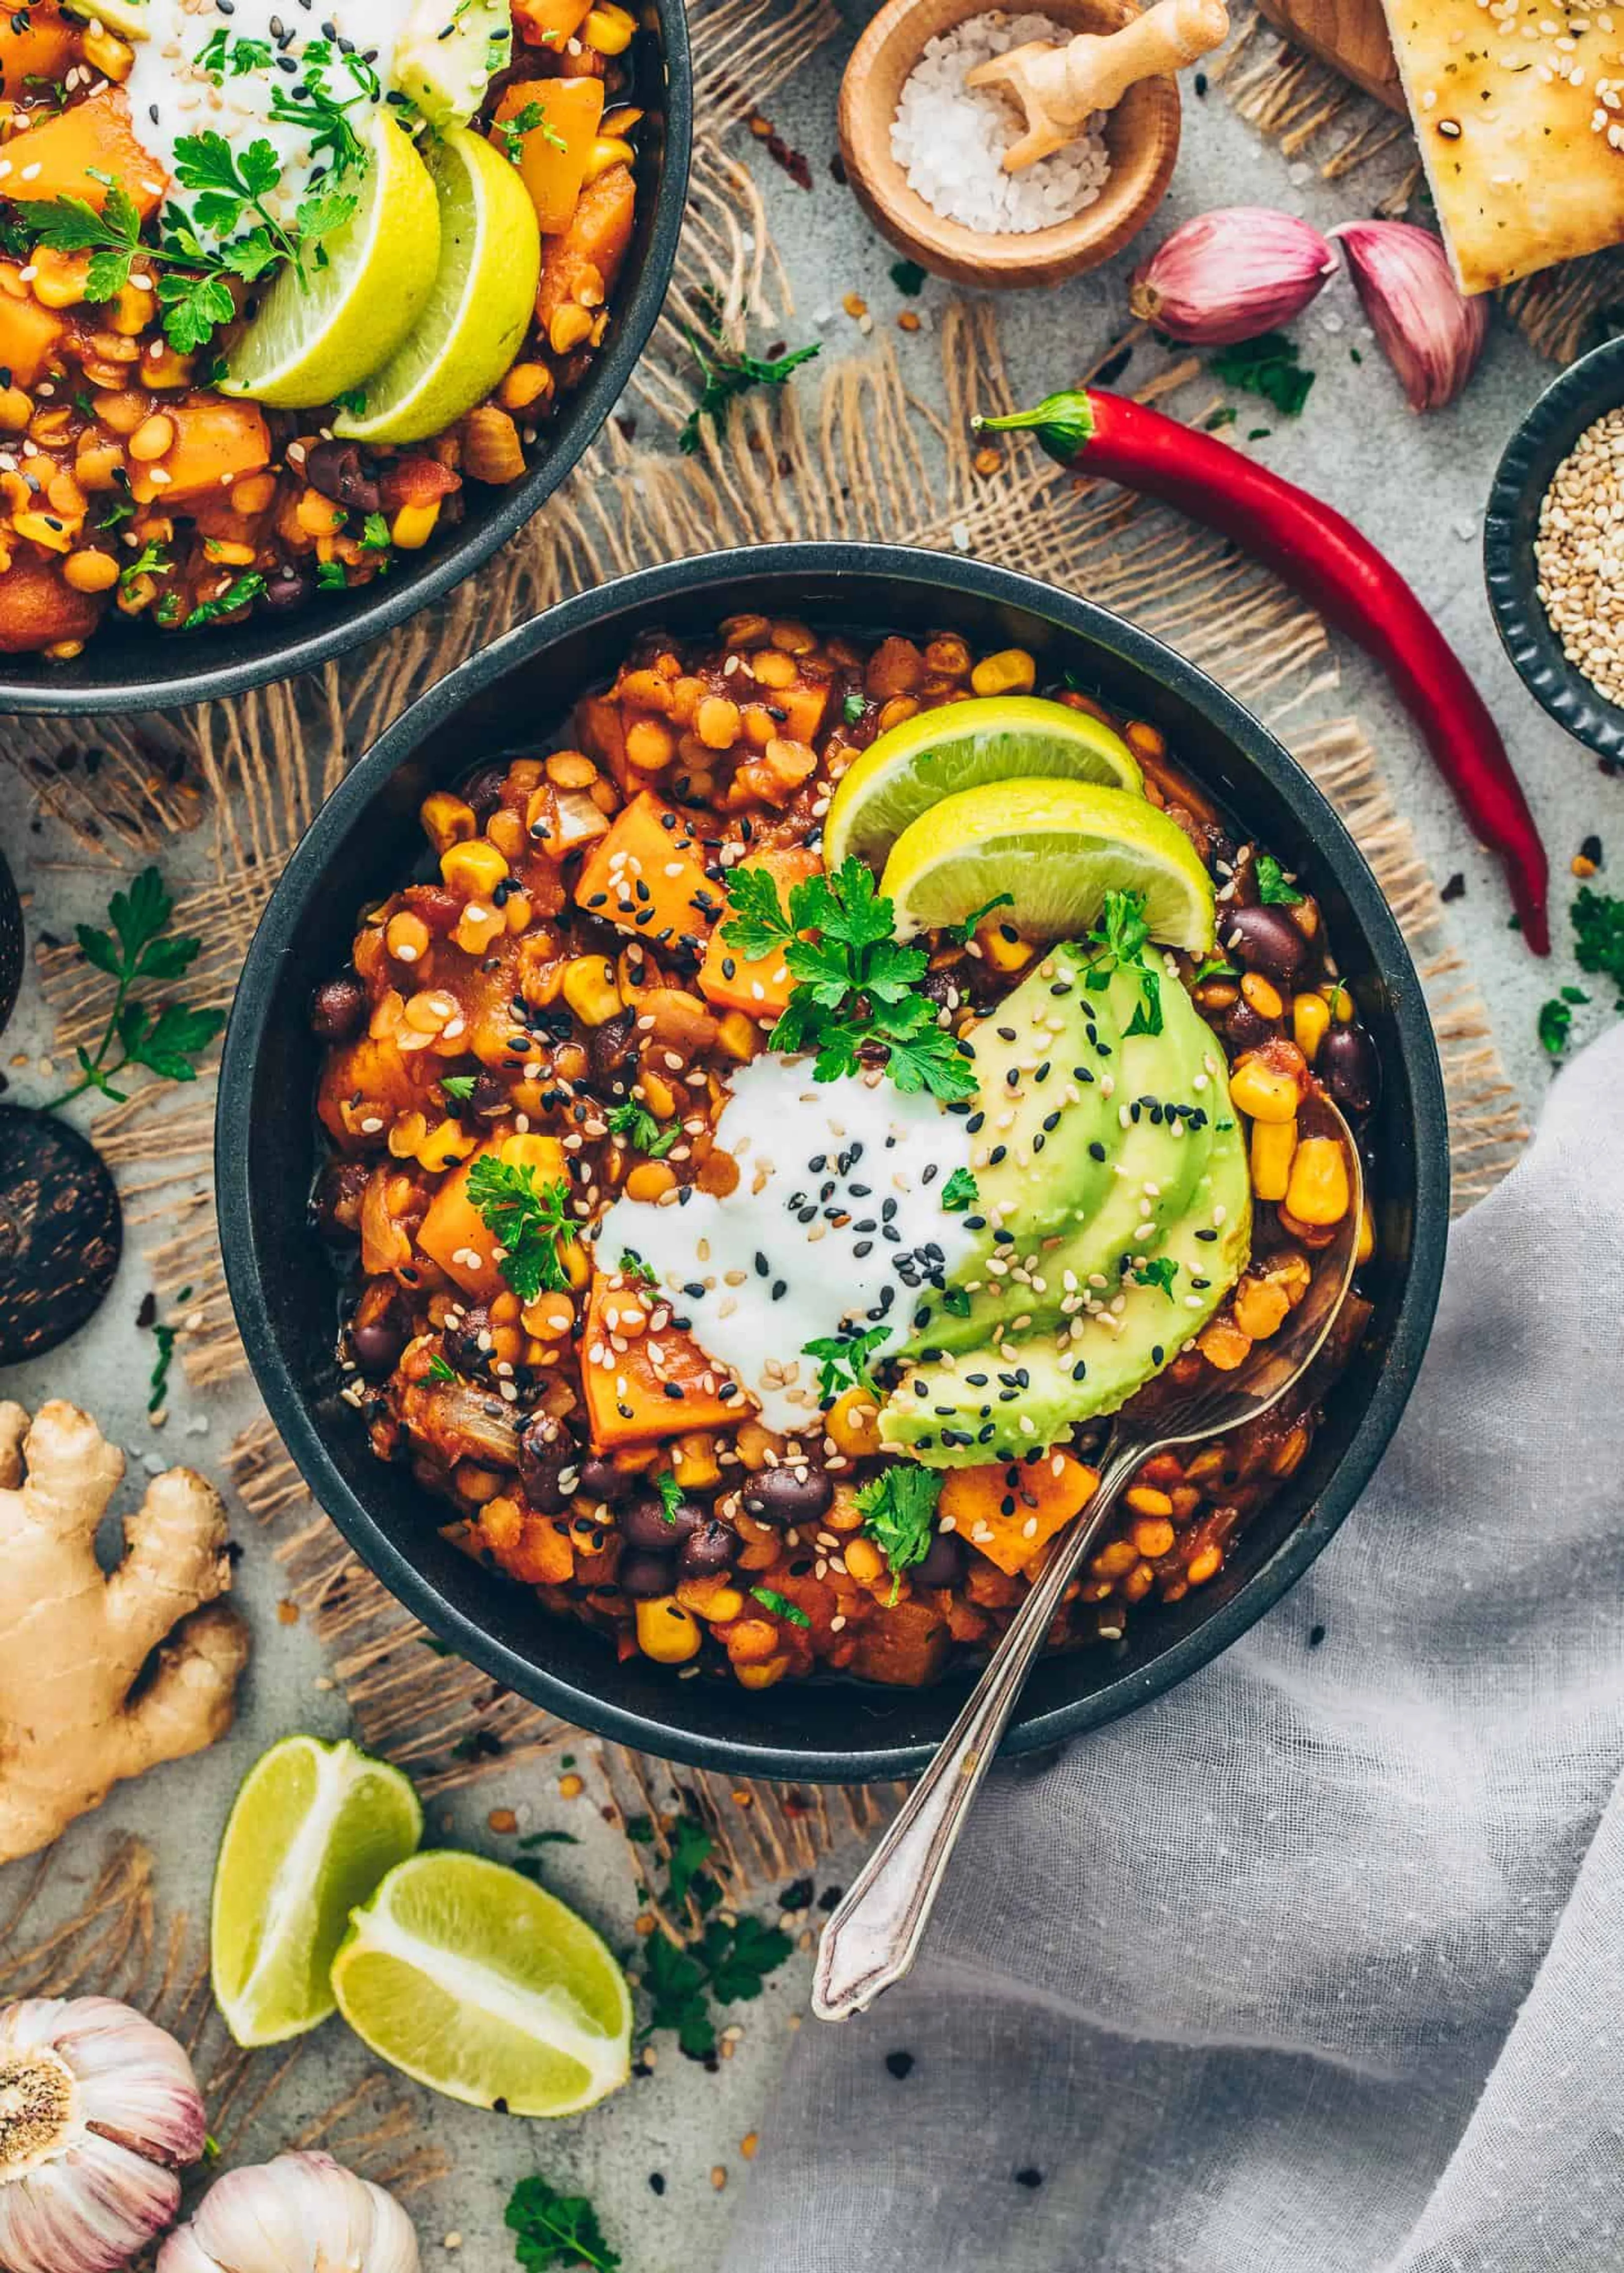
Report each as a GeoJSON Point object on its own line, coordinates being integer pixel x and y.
{"type": "Point", "coordinates": [1316, 1963]}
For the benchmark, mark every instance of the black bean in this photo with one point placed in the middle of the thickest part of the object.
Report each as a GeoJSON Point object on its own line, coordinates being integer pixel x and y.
{"type": "Point", "coordinates": [609, 1045]}
{"type": "Point", "coordinates": [601, 1480]}
{"type": "Point", "coordinates": [338, 1199]}
{"type": "Point", "coordinates": [488, 1099]}
{"type": "Point", "coordinates": [707, 1551]}
{"type": "Point", "coordinates": [336, 470]}
{"type": "Point", "coordinates": [644, 1523]}
{"type": "Point", "coordinates": [337, 1007]}
{"type": "Point", "coordinates": [1266, 940]}
{"type": "Point", "coordinates": [547, 1451]}
{"type": "Point", "coordinates": [944, 1561]}
{"type": "Point", "coordinates": [942, 989]}
{"type": "Point", "coordinates": [376, 1347]}
{"type": "Point", "coordinates": [287, 592]}
{"type": "Point", "coordinates": [483, 788]}
{"type": "Point", "coordinates": [786, 1496]}
{"type": "Point", "coordinates": [1243, 1029]}
{"type": "Point", "coordinates": [1349, 1068]}
{"type": "Point", "coordinates": [643, 1577]}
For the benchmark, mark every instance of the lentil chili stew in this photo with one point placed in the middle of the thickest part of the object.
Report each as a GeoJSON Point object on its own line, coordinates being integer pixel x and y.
{"type": "Point", "coordinates": [204, 236]}
{"type": "Point", "coordinates": [360, 856]}
{"type": "Point", "coordinates": [631, 1280]}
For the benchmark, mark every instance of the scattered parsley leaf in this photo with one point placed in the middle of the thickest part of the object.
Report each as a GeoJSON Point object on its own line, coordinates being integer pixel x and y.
{"type": "Point", "coordinates": [529, 120]}
{"type": "Point", "coordinates": [1272, 889]}
{"type": "Point", "coordinates": [163, 1037]}
{"type": "Point", "coordinates": [1215, 967]}
{"type": "Point", "coordinates": [967, 929]}
{"type": "Point", "coordinates": [151, 560]}
{"type": "Point", "coordinates": [899, 1508]}
{"type": "Point", "coordinates": [727, 375]}
{"type": "Point", "coordinates": [631, 1266]}
{"type": "Point", "coordinates": [1121, 939]}
{"type": "Point", "coordinates": [552, 2229]}
{"type": "Point", "coordinates": [1161, 1273]}
{"type": "Point", "coordinates": [330, 576]}
{"type": "Point", "coordinates": [526, 1218]}
{"type": "Point", "coordinates": [1598, 937]}
{"type": "Point", "coordinates": [352, 399]}
{"type": "Point", "coordinates": [959, 1192]}
{"type": "Point", "coordinates": [165, 1337]}
{"type": "Point", "coordinates": [1267, 366]}
{"type": "Point", "coordinates": [670, 1494]}
{"type": "Point", "coordinates": [459, 1085]}
{"type": "Point", "coordinates": [692, 1847]}
{"type": "Point", "coordinates": [908, 277]}
{"type": "Point", "coordinates": [853, 708]}
{"type": "Point", "coordinates": [956, 1301]}
{"type": "Point", "coordinates": [241, 592]}
{"type": "Point", "coordinates": [843, 1360]}
{"type": "Point", "coordinates": [780, 1605]}
{"type": "Point", "coordinates": [640, 1130]}
{"type": "Point", "coordinates": [439, 1370]}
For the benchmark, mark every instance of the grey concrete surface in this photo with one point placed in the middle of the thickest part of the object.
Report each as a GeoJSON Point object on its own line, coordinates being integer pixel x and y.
{"type": "Point", "coordinates": [1417, 487]}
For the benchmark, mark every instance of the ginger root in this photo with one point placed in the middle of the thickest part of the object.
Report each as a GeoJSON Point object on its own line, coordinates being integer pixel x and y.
{"type": "Point", "coordinates": [76, 1715]}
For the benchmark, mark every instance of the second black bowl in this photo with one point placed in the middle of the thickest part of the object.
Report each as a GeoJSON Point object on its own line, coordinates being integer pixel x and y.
{"type": "Point", "coordinates": [366, 838]}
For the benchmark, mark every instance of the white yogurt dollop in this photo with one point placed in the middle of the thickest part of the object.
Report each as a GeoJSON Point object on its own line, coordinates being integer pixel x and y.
{"type": "Point", "coordinates": [837, 1221]}
{"type": "Point", "coordinates": [187, 81]}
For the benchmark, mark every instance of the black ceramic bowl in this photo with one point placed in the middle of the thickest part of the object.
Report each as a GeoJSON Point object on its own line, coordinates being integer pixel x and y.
{"type": "Point", "coordinates": [1584, 392]}
{"type": "Point", "coordinates": [367, 839]}
{"type": "Point", "coordinates": [129, 667]}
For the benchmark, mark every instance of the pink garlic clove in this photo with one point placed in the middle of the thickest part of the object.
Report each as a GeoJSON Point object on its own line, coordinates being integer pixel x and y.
{"type": "Point", "coordinates": [1430, 332]}
{"type": "Point", "coordinates": [1232, 274]}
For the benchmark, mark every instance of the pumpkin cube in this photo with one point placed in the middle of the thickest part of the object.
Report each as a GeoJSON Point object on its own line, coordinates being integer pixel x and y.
{"type": "Point", "coordinates": [1045, 1494]}
{"type": "Point", "coordinates": [634, 1397]}
{"type": "Point", "coordinates": [757, 985]}
{"type": "Point", "coordinates": [645, 875]}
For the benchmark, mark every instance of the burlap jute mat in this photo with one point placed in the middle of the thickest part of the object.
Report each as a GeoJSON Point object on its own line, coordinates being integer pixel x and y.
{"type": "Point", "coordinates": [852, 454]}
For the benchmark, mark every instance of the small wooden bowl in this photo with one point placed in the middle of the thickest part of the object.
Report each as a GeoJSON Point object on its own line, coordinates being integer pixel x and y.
{"type": "Point", "coordinates": [1141, 135]}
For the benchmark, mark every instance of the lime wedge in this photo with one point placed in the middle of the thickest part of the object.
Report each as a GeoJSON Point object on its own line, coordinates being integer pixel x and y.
{"type": "Point", "coordinates": [470, 1979]}
{"type": "Point", "coordinates": [317, 337]}
{"type": "Point", "coordinates": [314, 1827]}
{"type": "Point", "coordinates": [937, 753]}
{"type": "Point", "coordinates": [1057, 848]}
{"type": "Point", "coordinates": [479, 305]}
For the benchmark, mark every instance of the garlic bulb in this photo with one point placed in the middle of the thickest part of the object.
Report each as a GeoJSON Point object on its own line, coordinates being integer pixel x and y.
{"type": "Point", "coordinates": [98, 2109]}
{"type": "Point", "coordinates": [301, 2214]}
{"type": "Point", "coordinates": [1231, 275]}
{"type": "Point", "coordinates": [1430, 332]}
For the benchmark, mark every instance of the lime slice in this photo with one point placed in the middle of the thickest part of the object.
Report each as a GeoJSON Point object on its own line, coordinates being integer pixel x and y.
{"type": "Point", "coordinates": [314, 1828]}
{"type": "Point", "coordinates": [318, 338]}
{"type": "Point", "coordinates": [479, 305]}
{"type": "Point", "coordinates": [937, 753]}
{"type": "Point", "coordinates": [1057, 848]}
{"type": "Point", "coordinates": [473, 1981]}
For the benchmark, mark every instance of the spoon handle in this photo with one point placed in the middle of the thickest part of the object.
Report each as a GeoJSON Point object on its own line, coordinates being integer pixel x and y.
{"type": "Point", "coordinates": [873, 1938]}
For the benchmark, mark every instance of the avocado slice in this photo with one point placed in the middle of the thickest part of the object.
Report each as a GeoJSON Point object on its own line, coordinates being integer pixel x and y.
{"type": "Point", "coordinates": [999, 1403]}
{"type": "Point", "coordinates": [1149, 1173]}
{"type": "Point", "coordinates": [447, 55]}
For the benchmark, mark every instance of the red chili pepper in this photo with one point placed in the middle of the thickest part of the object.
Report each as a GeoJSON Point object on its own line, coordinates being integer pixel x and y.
{"type": "Point", "coordinates": [1323, 556]}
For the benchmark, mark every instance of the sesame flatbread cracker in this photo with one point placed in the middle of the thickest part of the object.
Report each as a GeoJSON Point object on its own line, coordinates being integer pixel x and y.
{"type": "Point", "coordinates": [1519, 110]}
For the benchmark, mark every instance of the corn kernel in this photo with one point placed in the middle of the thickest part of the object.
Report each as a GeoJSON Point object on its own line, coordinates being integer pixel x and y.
{"type": "Point", "coordinates": [608, 30]}
{"type": "Point", "coordinates": [650, 1180]}
{"type": "Point", "coordinates": [693, 1462]}
{"type": "Point", "coordinates": [1010, 672]}
{"type": "Point", "coordinates": [475, 867]}
{"type": "Point", "coordinates": [761, 1677]}
{"type": "Point", "coordinates": [1318, 1191]}
{"type": "Point", "coordinates": [853, 1424]}
{"type": "Point", "coordinates": [1144, 1499]}
{"type": "Point", "coordinates": [1263, 996]}
{"type": "Point", "coordinates": [608, 150]}
{"type": "Point", "coordinates": [413, 526]}
{"type": "Point", "coordinates": [1310, 1015]}
{"type": "Point", "coordinates": [446, 821]}
{"type": "Point", "coordinates": [44, 528]}
{"type": "Point", "coordinates": [1274, 1147]}
{"type": "Point", "coordinates": [445, 1145]}
{"type": "Point", "coordinates": [1260, 1308]}
{"type": "Point", "coordinates": [668, 1633]}
{"type": "Point", "coordinates": [1154, 1538]}
{"type": "Point", "coordinates": [589, 989]}
{"type": "Point", "coordinates": [59, 278]}
{"type": "Point", "coordinates": [1258, 1090]}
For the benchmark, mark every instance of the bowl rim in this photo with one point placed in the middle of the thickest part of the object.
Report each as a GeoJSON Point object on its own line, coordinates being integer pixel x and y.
{"type": "Point", "coordinates": [830, 562]}
{"type": "Point", "coordinates": [384, 606]}
{"type": "Point", "coordinates": [1584, 393]}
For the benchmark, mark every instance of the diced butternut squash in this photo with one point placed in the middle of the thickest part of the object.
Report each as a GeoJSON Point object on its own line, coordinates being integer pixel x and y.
{"type": "Point", "coordinates": [593, 247]}
{"type": "Point", "coordinates": [530, 1547]}
{"type": "Point", "coordinates": [645, 875]}
{"type": "Point", "coordinates": [37, 609]}
{"type": "Point", "coordinates": [1046, 1493]}
{"type": "Point", "coordinates": [637, 1399]}
{"type": "Point", "coordinates": [907, 1646]}
{"type": "Point", "coordinates": [549, 23]}
{"type": "Point", "coordinates": [757, 985]}
{"type": "Point", "coordinates": [454, 1235]}
{"type": "Point", "coordinates": [79, 153]}
{"type": "Point", "coordinates": [553, 150]}
{"type": "Point", "coordinates": [369, 1078]}
{"type": "Point", "coordinates": [216, 444]}
{"type": "Point", "coordinates": [35, 43]}
{"type": "Point", "coordinates": [30, 338]}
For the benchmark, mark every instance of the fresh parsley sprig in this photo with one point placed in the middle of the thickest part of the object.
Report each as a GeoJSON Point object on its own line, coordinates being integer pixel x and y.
{"type": "Point", "coordinates": [959, 1192]}
{"type": "Point", "coordinates": [527, 1218]}
{"type": "Point", "coordinates": [843, 1361]}
{"type": "Point", "coordinates": [637, 1126]}
{"type": "Point", "coordinates": [855, 983]}
{"type": "Point", "coordinates": [898, 1510]}
{"type": "Point", "coordinates": [554, 2229]}
{"type": "Point", "coordinates": [163, 1037]}
{"type": "Point", "coordinates": [1159, 1272]}
{"type": "Point", "coordinates": [1273, 889]}
{"type": "Point", "coordinates": [529, 119]}
{"type": "Point", "coordinates": [727, 374]}
{"type": "Point", "coordinates": [1121, 942]}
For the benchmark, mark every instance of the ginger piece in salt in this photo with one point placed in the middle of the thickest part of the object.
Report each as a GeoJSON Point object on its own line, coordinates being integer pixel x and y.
{"type": "Point", "coordinates": [74, 1641]}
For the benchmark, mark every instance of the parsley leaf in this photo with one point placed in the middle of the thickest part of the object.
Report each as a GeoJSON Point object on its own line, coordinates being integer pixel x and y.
{"type": "Point", "coordinates": [1598, 937]}
{"type": "Point", "coordinates": [459, 1085]}
{"type": "Point", "coordinates": [162, 1037]}
{"type": "Point", "coordinates": [780, 1605]}
{"type": "Point", "coordinates": [899, 1510]}
{"type": "Point", "coordinates": [959, 1192]}
{"type": "Point", "coordinates": [908, 277]}
{"type": "Point", "coordinates": [670, 1494]}
{"type": "Point", "coordinates": [1122, 939]}
{"type": "Point", "coordinates": [843, 1360]}
{"type": "Point", "coordinates": [967, 930]}
{"type": "Point", "coordinates": [956, 1301]}
{"type": "Point", "coordinates": [439, 1370]}
{"type": "Point", "coordinates": [631, 1266]}
{"type": "Point", "coordinates": [530, 119]}
{"type": "Point", "coordinates": [692, 1847]}
{"type": "Point", "coordinates": [637, 1126]}
{"type": "Point", "coordinates": [241, 592]}
{"type": "Point", "coordinates": [1267, 366]}
{"type": "Point", "coordinates": [527, 1218]}
{"type": "Point", "coordinates": [1272, 889]}
{"type": "Point", "coordinates": [1161, 1273]}
{"type": "Point", "coordinates": [151, 560]}
{"type": "Point", "coordinates": [556, 2229]}
{"type": "Point", "coordinates": [727, 375]}
{"type": "Point", "coordinates": [852, 710]}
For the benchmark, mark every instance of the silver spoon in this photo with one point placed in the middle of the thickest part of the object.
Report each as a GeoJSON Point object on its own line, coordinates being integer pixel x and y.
{"type": "Point", "coordinates": [873, 1937]}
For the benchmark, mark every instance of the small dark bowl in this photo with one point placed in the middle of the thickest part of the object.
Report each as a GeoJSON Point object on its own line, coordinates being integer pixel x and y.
{"type": "Point", "coordinates": [367, 839]}
{"type": "Point", "coordinates": [129, 667]}
{"type": "Point", "coordinates": [1584, 392]}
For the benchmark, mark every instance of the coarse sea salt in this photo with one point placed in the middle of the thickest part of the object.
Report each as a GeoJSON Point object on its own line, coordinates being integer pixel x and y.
{"type": "Point", "coordinates": [949, 139]}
